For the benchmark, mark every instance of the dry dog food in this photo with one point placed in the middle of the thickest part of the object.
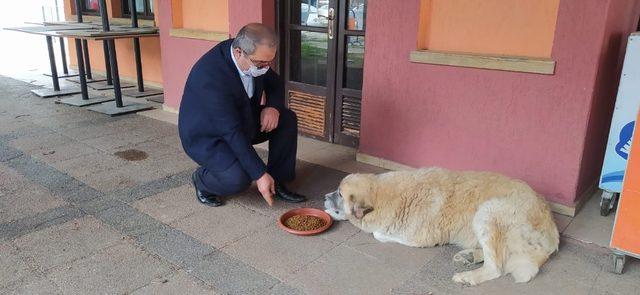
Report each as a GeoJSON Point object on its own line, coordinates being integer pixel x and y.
{"type": "Point", "coordinates": [304, 222]}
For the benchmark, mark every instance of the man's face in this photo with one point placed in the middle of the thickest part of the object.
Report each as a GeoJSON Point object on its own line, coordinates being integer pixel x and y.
{"type": "Point", "coordinates": [262, 57]}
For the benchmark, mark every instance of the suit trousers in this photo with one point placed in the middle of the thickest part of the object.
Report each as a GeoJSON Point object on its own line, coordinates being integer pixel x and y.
{"type": "Point", "coordinates": [281, 165]}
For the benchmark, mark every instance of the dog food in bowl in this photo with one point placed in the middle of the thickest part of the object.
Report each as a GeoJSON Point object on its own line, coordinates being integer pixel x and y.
{"type": "Point", "coordinates": [304, 222]}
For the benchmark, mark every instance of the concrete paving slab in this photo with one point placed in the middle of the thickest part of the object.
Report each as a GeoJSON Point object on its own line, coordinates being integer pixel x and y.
{"type": "Point", "coordinates": [394, 255]}
{"type": "Point", "coordinates": [174, 246]}
{"type": "Point", "coordinates": [230, 276]}
{"type": "Point", "coordinates": [119, 269]}
{"type": "Point", "coordinates": [218, 228]}
{"type": "Point", "coordinates": [90, 131]}
{"type": "Point", "coordinates": [115, 141]}
{"type": "Point", "coordinates": [277, 252]}
{"type": "Point", "coordinates": [570, 271]}
{"type": "Point", "coordinates": [42, 174]}
{"type": "Point", "coordinates": [28, 144]}
{"type": "Point", "coordinates": [10, 180]}
{"type": "Point", "coordinates": [27, 201]}
{"type": "Point", "coordinates": [154, 150]}
{"type": "Point", "coordinates": [33, 285]}
{"type": "Point", "coordinates": [589, 226]}
{"type": "Point", "coordinates": [128, 220]}
{"type": "Point", "coordinates": [83, 165]}
{"type": "Point", "coordinates": [178, 282]}
{"type": "Point", "coordinates": [171, 163]}
{"type": "Point", "coordinates": [562, 221]}
{"type": "Point", "coordinates": [61, 244]}
{"type": "Point", "coordinates": [13, 267]}
{"type": "Point", "coordinates": [340, 232]}
{"type": "Point", "coordinates": [346, 271]}
{"type": "Point", "coordinates": [120, 178]}
{"type": "Point", "coordinates": [23, 226]}
{"type": "Point", "coordinates": [153, 187]}
{"type": "Point", "coordinates": [627, 283]}
{"type": "Point", "coordinates": [172, 205]}
{"type": "Point", "coordinates": [63, 152]}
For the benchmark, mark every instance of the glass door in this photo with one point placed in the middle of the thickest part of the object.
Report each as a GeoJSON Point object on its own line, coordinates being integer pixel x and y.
{"type": "Point", "coordinates": [323, 62]}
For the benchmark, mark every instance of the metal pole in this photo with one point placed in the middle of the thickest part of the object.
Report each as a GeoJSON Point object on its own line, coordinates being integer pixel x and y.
{"type": "Point", "coordinates": [107, 65]}
{"type": "Point", "coordinates": [87, 62]}
{"type": "Point", "coordinates": [136, 46]}
{"type": "Point", "coordinates": [81, 74]}
{"type": "Point", "coordinates": [85, 47]}
{"type": "Point", "coordinates": [63, 54]}
{"type": "Point", "coordinates": [114, 68]}
{"type": "Point", "coordinates": [79, 10]}
{"type": "Point", "coordinates": [52, 63]}
{"type": "Point", "coordinates": [112, 54]}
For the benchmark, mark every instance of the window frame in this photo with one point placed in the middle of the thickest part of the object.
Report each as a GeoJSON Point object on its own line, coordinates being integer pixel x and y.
{"type": "Point", "coordinates": [146, 14]}
{"type": "Point", "coordinates": [85, 10]}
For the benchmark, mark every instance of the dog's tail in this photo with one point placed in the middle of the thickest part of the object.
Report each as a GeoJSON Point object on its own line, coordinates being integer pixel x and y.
{"type": "Point", "coordinates": [522, 268]}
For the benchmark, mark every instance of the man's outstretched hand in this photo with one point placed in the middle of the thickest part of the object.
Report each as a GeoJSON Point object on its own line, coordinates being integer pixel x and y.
{"type": "Point", "coordinates": [266, 186]}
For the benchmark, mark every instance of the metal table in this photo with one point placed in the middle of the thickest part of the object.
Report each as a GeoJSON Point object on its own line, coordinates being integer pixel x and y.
{"type": "Point", "coordinates": [50, 32]}
{"type": "Point", "coordinates": [105, 33]}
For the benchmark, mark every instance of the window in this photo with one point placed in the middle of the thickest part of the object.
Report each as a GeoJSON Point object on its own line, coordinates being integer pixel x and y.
{"type": "Point", "coordinates": [493, 27]}
{"type": "Point", "coordinates": [143, 7]}
{"type": "Point", "coordinates": [89, 7]}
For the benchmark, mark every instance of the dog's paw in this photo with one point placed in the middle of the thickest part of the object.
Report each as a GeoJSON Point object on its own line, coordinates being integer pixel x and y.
{"type": "Point", "coordinates": [466, 277]}
{"type": "Point", "coordinates": [463, 258]}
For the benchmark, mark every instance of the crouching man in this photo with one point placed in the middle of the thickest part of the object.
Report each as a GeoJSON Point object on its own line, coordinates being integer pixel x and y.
{"type": "Point", "coordinates": [222, 117]}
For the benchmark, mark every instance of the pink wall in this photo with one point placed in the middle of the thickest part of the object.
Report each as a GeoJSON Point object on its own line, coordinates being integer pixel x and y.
{"type": "Point", "coordinates": [179, 54]}
{"type": "Point", "coordinates": [528, 126]}
{"type": "Point", "coordinates": [622, 19]}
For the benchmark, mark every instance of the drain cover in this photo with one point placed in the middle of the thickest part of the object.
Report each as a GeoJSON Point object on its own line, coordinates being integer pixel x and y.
{"type": "Point", "coordinates": [131, 155]}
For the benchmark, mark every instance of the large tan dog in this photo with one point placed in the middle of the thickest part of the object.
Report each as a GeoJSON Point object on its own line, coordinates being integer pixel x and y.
{"type": "Point", "coordinates": [498, 220]}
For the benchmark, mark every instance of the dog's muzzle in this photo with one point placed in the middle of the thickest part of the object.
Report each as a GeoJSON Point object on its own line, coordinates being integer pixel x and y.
{"type": "Point", "coordinates": [334, 205]}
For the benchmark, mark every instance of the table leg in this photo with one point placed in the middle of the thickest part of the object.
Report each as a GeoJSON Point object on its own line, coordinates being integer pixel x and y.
{"type": "Point", "coordinates": [140, 91]}
{"type": "Point", "coordinates": [52, 64]}
{"type": "Point", "coordinates": [87, 61]}
{"type": "Point", "coordinates": [107, 63]}
{"type": "Point", "coordinates": [63, 55]}
{"type": "Point", "coordinates": [83, 99]}
{"type": "Point", "coordinates": [120, 107]}
{"type": "Point", "coordinates": [56, 91]}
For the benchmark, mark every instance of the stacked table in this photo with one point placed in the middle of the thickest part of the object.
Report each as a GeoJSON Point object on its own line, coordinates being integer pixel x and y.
{"type": "Point", "coordinates": [82, 32]}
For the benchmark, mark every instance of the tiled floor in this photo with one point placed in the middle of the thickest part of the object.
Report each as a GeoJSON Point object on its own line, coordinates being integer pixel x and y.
{"type": "Point", "coordinates": [588, 226]}
{"type": "Point", "coordinates": [80, 221]}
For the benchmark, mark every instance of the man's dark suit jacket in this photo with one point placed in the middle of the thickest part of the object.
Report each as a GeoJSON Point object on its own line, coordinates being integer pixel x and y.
{"type": "Point", "coordinates": [217, 119]}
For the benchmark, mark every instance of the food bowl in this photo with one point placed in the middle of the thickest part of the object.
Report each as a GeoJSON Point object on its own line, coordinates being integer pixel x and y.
{"type": "Point", "coordinates": [309, 212]}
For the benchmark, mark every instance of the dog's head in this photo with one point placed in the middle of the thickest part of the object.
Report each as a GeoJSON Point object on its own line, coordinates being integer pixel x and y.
{"type": "Point", "coordinates": [334, 205]}
{"type": "Point", "coordinates": [357, 194]}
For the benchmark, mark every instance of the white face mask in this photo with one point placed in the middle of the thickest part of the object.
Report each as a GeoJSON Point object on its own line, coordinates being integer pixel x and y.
{"type": "Point", "coordinates": [255, 72]}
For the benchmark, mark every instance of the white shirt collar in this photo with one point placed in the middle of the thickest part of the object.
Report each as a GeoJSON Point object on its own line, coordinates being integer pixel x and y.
{"type": "Point", "coordinates": [233, 57]}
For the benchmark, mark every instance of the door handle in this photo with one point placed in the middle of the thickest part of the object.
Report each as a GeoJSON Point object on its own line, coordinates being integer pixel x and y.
{"type": "Point", "coordinates": [331, 18]}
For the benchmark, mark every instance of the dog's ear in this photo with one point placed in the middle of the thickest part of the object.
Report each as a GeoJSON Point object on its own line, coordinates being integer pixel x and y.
{"type": "Point", "coordinates": [360, 210]}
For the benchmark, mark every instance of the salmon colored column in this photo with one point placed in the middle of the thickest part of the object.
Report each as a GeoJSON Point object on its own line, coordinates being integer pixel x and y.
{"type": "Point", "coordinates": [179, 54]}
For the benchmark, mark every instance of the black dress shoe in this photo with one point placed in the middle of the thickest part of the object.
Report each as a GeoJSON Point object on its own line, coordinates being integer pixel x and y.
{"type": "Point", "coordinates": [286, 195]}
{"type": "Point", "coordinates": [209, 200]}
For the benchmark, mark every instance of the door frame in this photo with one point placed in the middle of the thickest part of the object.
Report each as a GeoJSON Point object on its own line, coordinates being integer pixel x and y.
{"type": "Point", "coordinates": [336, 52]}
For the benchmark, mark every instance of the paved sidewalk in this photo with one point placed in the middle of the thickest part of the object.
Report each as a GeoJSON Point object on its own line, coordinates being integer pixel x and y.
{"type": "Point", "coordinates": [75, 218]}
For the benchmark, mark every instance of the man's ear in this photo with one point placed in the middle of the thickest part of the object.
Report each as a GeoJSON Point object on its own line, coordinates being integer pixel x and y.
{"type": "Point", "coordinates": [360, 210]}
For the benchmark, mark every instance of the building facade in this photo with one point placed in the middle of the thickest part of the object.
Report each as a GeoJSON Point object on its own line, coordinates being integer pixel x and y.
{"type": "Point", "coordinates": [525, 88]}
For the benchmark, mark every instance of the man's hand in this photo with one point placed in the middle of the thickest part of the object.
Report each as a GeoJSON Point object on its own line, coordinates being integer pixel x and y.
{"type": "Point", "coordinates": [269, 119]}
{"type": "Point", "coordinates": [266, 186]}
